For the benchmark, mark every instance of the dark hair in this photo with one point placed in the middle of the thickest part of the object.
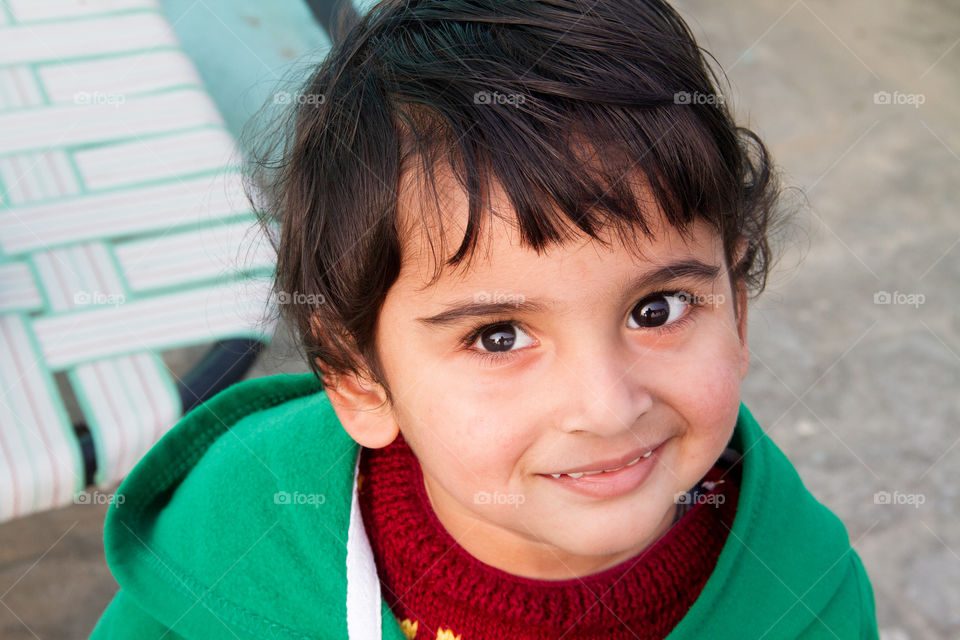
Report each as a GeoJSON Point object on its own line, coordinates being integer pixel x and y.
{"type": "Point", "coordinates": [503, 90]}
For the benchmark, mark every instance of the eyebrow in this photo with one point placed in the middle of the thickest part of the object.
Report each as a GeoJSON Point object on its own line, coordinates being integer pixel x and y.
{"type": "Point", "coordinates": [458, 312]}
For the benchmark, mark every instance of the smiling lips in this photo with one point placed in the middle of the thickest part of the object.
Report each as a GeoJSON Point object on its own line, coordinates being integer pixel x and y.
{"type": "Point", "coordinates": [609, 478]}
{"type": "Point", "coordinates": [579, 474]}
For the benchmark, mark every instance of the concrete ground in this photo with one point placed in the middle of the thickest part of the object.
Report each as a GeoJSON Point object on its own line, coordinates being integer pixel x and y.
{"type": "Point", "coordinates": [855, 345]}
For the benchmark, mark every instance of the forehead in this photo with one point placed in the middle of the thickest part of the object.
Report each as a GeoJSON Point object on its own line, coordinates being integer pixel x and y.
{"type": "Point", "coordinates": [432, 224]}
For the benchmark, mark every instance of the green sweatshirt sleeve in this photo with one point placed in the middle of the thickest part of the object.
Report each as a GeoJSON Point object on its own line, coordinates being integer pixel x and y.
{"type": "Point", "coordinates": [123, 619]}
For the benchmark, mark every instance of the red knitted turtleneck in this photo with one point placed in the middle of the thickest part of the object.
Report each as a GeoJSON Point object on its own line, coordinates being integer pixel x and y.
{"type": "Point", "coordinates": [439, 591]}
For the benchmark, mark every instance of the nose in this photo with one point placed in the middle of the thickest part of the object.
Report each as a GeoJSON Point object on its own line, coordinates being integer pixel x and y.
{"type": "Point", "coordinates": [605, 388]}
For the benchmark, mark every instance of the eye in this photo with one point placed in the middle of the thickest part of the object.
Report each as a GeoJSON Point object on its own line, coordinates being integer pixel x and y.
{"type": "Point", "coordinates": [498, 338]}
{"type": "Point", "coordinates": [659, 309]}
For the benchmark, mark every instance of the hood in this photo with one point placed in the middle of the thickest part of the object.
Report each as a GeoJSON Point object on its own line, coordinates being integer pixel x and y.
{"type": "Point", "coordinates": [243, 522]}
{"type": "Point", "coordinates": [787, 569]}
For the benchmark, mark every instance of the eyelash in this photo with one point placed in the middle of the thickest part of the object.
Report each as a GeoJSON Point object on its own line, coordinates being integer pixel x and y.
{"type": "Point", "coordinates": [494, 357]}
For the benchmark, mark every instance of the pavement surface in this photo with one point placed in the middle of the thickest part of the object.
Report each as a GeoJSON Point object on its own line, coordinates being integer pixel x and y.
{"type": "Point", "coordinates": [855, 345]}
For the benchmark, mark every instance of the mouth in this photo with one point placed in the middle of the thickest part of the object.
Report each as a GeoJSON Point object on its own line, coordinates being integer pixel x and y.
{"type": "Point", "coordinates": [610, 465]}
{"type": "Point", "coordinates": [609, 478]}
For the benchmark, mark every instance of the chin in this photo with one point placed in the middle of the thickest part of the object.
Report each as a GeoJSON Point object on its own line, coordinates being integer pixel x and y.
{"type": "Point", "coordinates": [606, 539]}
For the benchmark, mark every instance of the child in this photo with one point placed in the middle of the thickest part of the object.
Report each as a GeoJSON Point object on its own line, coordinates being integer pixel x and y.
{"type": "Point", "coordinates": [537, 435]}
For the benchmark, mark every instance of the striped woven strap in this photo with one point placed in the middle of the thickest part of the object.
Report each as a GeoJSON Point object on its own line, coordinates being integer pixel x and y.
{"type": "Point", "coordinates": [124, 232]}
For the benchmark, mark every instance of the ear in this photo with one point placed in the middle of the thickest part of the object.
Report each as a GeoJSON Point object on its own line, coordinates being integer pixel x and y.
{"type": "Point", "coordinates": [359, 403]}
{"type": "Point", "coordinates": [362, 407]}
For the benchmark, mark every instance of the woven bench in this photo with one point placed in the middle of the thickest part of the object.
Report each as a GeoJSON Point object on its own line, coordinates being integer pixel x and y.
{"type": "Point", "coordinates": [124, 232]}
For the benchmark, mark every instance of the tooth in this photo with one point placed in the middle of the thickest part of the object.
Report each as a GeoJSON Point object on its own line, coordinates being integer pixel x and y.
{"type": "Point", "coordinates": [593, 473]}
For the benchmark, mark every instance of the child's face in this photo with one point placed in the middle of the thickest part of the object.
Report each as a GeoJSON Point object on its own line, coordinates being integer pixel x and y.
{"type": "Point", "coordinates": [588, 380]}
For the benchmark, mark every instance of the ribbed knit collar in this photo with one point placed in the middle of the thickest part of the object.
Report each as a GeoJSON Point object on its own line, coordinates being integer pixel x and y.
{"type": "Point", "coordinates": [436, 589]}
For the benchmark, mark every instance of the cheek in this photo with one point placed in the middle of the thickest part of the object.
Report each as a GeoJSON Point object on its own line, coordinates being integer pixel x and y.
{"type": "Point", "coordinates": [714, 387]}
{"type": "Point", "coordinates": [706, 390]}
{"type": "Point", "coordinates": [474, 437]}
{"type": "Point", "coordinates": [463, 429]}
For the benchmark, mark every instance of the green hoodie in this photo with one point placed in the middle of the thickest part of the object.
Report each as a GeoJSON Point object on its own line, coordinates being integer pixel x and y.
{"type": "Point", "coordinates": [242, 522]}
